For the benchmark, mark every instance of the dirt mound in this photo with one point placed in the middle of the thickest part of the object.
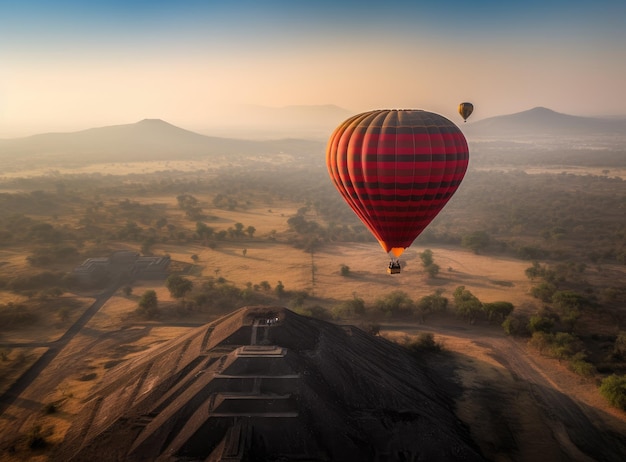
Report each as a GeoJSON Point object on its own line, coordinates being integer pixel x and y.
{"type": "Point", "coordinates": [267, 384]}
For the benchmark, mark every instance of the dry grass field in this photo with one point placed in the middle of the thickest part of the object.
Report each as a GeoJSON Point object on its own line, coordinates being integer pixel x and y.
{"type": "Point", "coordinates": [484, 361]}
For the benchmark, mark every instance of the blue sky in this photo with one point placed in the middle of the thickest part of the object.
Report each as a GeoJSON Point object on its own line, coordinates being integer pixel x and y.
{"type": "Point", "coordinates": [68, 65]}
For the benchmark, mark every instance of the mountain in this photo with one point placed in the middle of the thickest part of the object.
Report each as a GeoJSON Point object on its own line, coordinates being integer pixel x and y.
{"type": "Point", "coordinates": [147, 140]}
{"type": "Point", "coordinates": [264, 383]}
{"type": "Point", "coordinates": [543, 121]}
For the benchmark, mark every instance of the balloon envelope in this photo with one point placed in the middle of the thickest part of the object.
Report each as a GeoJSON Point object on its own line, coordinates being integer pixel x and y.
{"type": "Point", "coordinates": [397, 169]}
{"type": "Point", "coordinates": [466, 109]}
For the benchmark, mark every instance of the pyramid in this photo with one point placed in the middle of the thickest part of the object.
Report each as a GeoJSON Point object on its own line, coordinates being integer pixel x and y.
{"type": "Point", "coordinates": [266, 384]}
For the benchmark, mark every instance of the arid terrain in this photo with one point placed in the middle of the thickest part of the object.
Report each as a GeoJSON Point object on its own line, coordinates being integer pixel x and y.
{"type": "Point", "coordinates": [267, 227]}
{"type": "Point", "coordinates": [524, 423]}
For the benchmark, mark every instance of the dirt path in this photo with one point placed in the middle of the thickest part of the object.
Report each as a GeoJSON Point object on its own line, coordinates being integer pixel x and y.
{"type": "Point", "coordinates": [517, 409]}
{"type": "Point", "coordinates": [25, 380]}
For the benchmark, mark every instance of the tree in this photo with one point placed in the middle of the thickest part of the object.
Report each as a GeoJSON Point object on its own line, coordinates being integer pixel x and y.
{"type": "Point", "coordinates": [540, 340]}
{"type": "Point", "coordinates": [540, 323]}
{"type": "Point", "coordinates": [203, 231]}
{"type": "Point", "coordinates": [515, 324]}
{"type": "Point", "coordinates": [431, 268]}
{"type": "Point", "coordinates": [238, 229]}
{"type": "Point", "coordinates": [146, 245]}
{"type": "Point", "coordinates": [498, 311]}
{"type": "Point", "coordinates": [127, 291]}
{"type": "Point", "coordinates": [350, 308]}
{"type": "Point", "coordinates": [543, 291]}
{"type": "Point", "coordinates": [345, 270]}
{"type": "Point", "coordinates": [178, 286]}
{"type": "Point", "coordinates": [467, 304]}
{"type": "Point", "coordinates": [433, 303]}
{"type": "Point", "coordinates": [569, 300]}
{"type": "Point", "coordinates": [425, 341]}
{"type": "Point", "coordinates": [396, 303]}
{"type": "Point", "coordinates": [250, 230]}
{"type": "Point", "coordinates": [534, 271]}
{"type": "Point", "coordinates": [148, 304]}
{"type": "Point", "coordinates": [427, 257]}
{"type": "Point", "coordinates": [476, 241]}
{"type": "Point", "coordinates": [619, 347]}
{"type": "Point", "coordinates": [279, 289]}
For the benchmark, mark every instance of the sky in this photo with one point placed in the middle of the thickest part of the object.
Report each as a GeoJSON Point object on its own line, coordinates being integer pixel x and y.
{"type": "Point", "coordinates": [67, 65]}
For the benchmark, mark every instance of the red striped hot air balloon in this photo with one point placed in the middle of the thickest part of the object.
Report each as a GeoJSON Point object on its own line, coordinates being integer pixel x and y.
{"type": "Point", "coordinates": [397, 169]}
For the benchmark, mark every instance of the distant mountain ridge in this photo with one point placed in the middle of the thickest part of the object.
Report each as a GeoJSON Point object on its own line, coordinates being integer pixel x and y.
{"type": "Point", "coordinates": [544, 121]}
{"type": "Point", "coordinates": [158, 140]}
{"type": "Point", "coordinates": [146, 140]}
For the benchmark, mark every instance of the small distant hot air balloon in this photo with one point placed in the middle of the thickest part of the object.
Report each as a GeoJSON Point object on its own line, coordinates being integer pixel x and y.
{"type": "Point", "coordinates": [397, 169]}
{"type": "Point", "coordinates": [466, 109]}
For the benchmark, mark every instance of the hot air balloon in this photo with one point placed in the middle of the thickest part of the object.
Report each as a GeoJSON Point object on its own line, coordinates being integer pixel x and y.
{"type": "Point", "coordinates": [397, 169]}
{"type": "Point", "coordinates": [466, 109]}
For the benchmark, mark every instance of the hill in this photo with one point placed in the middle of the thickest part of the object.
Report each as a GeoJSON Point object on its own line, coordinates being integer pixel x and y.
{"type": "Point", "coordinates": [147, 140]}
{"type": "Point", "coordinates": [264, 383]}
{"type": "Point", "coordinates": [543, 121]}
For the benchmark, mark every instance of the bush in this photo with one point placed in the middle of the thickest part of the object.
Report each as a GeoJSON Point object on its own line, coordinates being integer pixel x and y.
{"type": "Point", "coordinates": [350, 308]}
{"type": "Point", "coordinates": [317, 312]}
{"type": "Point", "coordinates": [498, 311]}
{"type": "Point", "coordinates": [540, 323]}
{"type": "Point", "coordinates": [613, 388]}
{"type": "Point", "coordinates": [468, 306]}
{"type": "Point", "coordinates": [516, 324]}
{"type": "Point", "coordinates": [372, 328]}
{"type": "Point", "coordinates": [434, 303]}
{"type": "Point", "coordinates": [148, 305]}
{"type": "Point", "coordinates": [581, 366]}
{"type": "Point", "coordinates": [425, 341]}
{"type": "Point", "coordinates": [345, 270]}
{"type": "Point", "coordinates": [396, 303]}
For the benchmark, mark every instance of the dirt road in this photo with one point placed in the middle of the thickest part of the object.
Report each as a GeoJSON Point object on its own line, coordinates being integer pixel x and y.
{"type": "Point", "coordinates": [515, 407]}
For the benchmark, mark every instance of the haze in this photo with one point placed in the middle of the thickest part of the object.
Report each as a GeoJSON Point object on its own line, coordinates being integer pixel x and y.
{"type": "Point", "coordinates": [73, 65]}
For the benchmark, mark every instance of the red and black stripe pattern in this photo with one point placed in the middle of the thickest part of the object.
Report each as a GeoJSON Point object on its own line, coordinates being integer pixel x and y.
{"type": "Point", "coordinates": [397, 169]}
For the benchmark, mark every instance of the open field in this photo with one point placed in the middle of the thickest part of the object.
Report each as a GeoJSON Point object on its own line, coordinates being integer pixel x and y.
{"type": "Point", "coordinates": [491, 279]}
{"type": "Point", "coordinates": [507, 388]}
{"type": "Point", "coordinates": [483, 361]}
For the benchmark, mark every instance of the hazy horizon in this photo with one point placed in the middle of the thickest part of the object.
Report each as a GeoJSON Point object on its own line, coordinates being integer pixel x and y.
{"type": "Point", "coordinates": [70, 65]}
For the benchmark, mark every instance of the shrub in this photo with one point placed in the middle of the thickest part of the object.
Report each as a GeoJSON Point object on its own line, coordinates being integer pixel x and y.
{"type": "Point", "coordinates": [396, 303]}
{"type": "Point", "coordinates": [372, 328]}
{"type": "Point", "coordinates": [498, 311]}
{"type": "Point", "coordinates": [350, 308]}
{"type": "Point", "coordinates": [540, 323]}
{"type": "Point", "coordinates": [434, 303]}
{"type": "Point", "coordinates": [581, 366]}
{"type": "Point", "coordinates": [317, 312]}
{"type": "Point", "coordinates": [468, 306]}
{"type": "Point", "coordinates": [425, 341]}
{"type": "Point", "coordinates": [613, 388]}
{"type": "Point", "coordinates": [516, 324]}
